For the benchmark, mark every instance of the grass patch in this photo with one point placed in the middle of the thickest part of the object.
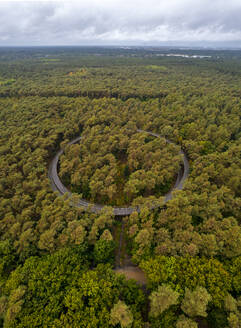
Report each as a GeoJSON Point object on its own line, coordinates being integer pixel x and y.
{"type": "Point", "coordinates": [7, 82]}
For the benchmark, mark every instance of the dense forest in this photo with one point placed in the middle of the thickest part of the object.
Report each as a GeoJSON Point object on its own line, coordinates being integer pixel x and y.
{"type": "Point", "coordinates": [58, 262]}
{"type": "Point", "coordinates": [114, 163]}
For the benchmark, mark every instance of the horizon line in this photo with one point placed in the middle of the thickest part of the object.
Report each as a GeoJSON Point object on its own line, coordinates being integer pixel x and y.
{"type": "Point", "coordinates": [200, 47]}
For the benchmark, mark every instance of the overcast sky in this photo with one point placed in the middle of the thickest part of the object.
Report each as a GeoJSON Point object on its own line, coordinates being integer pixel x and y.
{"type": "Point", "coordinates": [107, 22]}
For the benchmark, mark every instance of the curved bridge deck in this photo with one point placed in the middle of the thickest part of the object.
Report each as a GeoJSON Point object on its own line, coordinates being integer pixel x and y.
{"type": "Point", "coordinates": [58, 186]}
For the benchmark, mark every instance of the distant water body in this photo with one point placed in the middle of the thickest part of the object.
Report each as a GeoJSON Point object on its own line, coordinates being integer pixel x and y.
{"type": "Point", "coordinates": [181, 55]}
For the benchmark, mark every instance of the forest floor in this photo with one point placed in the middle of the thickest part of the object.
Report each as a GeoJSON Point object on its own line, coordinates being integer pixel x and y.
{"type": "Point", "coordinates": [123, 262]}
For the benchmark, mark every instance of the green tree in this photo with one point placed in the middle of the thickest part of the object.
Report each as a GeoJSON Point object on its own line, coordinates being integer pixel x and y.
{"type": "Point", "coordinates": [184, 322]}
{"type": "Point", "coordinates": [162, 299]}
{"type": "Point", "coordinates": [195, 302]}
{"type": "Point", "coordinates": [121, 314]}
{"type": "Point", "coordinates": [104, 251]}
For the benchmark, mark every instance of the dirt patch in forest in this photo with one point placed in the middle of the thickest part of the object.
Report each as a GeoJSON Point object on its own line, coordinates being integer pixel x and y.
{"type": "Point", "coordinates": [133, 272]}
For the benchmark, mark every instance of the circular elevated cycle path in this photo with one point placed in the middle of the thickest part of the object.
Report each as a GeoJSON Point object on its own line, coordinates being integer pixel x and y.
{"type": "Point", "coordinates": [58, 186]}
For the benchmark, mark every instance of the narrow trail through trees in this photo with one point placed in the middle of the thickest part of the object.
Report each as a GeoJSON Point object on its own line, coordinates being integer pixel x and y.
{"type": "Point", "coordinates": [123, 262]}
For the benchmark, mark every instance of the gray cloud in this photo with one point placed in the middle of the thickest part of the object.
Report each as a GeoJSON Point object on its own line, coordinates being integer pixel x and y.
{"type": "Point", "coordinates": [116, 21]}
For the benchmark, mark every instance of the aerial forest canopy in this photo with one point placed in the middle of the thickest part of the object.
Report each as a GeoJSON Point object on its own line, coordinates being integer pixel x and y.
{"type": "Point", "coordinates": [114, 163]}
{"type": "Point", "coordinates": [57, 261]}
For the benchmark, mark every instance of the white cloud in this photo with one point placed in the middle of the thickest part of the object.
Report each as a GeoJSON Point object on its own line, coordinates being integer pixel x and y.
{"type": "Point", "coordinates": [106, 21]}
